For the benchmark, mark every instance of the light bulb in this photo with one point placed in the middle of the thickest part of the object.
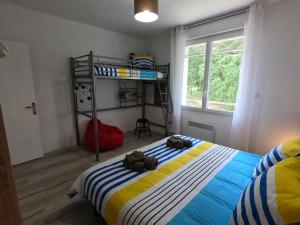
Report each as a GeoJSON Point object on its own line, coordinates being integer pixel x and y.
{"type": "Point", "coordinates": [146, 16]}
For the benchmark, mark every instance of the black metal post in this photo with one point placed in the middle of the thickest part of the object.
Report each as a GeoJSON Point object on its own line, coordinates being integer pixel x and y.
{"type": "Point", "coordinates": [94, 105]}
{"type": "Point", "coordinates": [143, 100]}
{"type": "Point", "coordinates": [169, 101]}
{"type": "Point", "coordinates": [75, 106]}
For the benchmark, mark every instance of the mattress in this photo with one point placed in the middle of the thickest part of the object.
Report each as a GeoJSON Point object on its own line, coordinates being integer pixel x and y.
{"type": "Point", "coordinates": [196, 185]}
{"type": "Point", "coordinates": [105, 70]}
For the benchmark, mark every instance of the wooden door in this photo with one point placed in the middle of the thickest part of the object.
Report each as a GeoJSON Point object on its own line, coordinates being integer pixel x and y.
{"type": "Point", "coordinates": [9, 207]}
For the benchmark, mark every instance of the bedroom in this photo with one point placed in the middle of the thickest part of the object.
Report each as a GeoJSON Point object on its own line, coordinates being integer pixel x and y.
{"type": "Point", "coordinates": [255, 112]}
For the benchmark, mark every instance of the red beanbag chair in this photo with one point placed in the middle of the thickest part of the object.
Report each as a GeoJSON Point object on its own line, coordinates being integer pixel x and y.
{"type": "Point", "coordinates": [110, 137]}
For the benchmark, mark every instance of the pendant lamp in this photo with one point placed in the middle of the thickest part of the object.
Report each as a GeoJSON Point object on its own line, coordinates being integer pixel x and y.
{"type": "Point", "coordinates": [146, 10]}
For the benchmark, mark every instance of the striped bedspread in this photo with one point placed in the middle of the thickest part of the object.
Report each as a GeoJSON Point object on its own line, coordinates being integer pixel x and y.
{"type": "Point", "coordinates": [196, 185]}
{"type": "Point", "coordinates": [105, 70]}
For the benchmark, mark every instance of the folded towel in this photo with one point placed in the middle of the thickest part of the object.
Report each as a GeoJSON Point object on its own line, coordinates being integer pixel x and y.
{"type": "Point", "coordinates": [138, 166]}
{"type": "Point", "coordinates": [175, 142]}
{"type": "Point", "coordinates": [178, 143]}
{"type": "Point", "coordinates": [135, 156]}
{"type": "Point", "coordinates": [150, 162]}
{"type": "Point", "coordinates": [187, 143]}
{"type": "Point", "coordinates": [137, 161]}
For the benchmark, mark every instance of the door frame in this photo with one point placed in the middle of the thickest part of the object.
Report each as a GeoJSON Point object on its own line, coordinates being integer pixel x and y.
{"type": "Point", "coordinates": [9, 211]}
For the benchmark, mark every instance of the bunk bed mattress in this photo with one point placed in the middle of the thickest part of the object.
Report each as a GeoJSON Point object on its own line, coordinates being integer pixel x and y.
{"type": "Point", "coordinates": [197, 185]}
{"type": "Point", "coordinates": [104, 70]}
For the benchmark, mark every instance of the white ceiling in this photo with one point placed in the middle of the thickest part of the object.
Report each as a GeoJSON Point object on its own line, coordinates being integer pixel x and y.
{"type": "Point", "coordinates": [117, 15]}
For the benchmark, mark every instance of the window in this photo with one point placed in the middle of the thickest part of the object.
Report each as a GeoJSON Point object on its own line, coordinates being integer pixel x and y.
{"type": "Point", "coordinates": [195, 61]}
{"type": "Point", "coordinates": [211, 72]}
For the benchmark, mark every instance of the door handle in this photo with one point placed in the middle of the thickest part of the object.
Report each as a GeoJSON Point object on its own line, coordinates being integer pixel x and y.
{"type": "Point", "coordinates": [32, 108]}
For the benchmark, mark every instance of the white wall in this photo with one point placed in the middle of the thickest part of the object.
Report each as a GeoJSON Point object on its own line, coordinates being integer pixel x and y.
{"type": "Point", "coordinates": [279, 118]}
{"type": "Point", "coordinates": [222, 123]}
{"type": "Point", "coordinates": [52, 40]}
{"type": "Point", "coordinates": [160, 47]}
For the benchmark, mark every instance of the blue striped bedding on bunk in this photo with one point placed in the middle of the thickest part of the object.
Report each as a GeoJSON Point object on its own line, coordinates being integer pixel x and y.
{"type": "Point", "coordinates": [197, 185]}
{"type": "Point", "coordinates": [102, 70]}
{"type": "Point", "coordinates": [105, 70]}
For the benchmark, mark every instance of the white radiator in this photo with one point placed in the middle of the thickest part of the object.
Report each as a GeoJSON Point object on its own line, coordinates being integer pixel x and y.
{"type": "Point", "coordinates": [202, 131]}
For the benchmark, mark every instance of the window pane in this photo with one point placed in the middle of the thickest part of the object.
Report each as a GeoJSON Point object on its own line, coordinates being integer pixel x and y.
{"type": "Point", "coordinates": [194, 69]}
{"type": "Point", "coordinates": [226, 56]}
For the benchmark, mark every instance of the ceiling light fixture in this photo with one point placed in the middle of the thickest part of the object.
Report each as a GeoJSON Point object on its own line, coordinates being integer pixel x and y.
{"type": "Point", "coordinates": [146, 10]}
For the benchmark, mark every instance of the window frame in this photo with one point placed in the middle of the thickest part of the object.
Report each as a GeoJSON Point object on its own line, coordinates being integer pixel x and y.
{"type": "Point", "coordinates": [208, 40]}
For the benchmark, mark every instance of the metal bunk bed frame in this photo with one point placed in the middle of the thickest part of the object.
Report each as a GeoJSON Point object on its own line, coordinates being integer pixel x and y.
{"type": "Point", "coordinates": [82, 72]}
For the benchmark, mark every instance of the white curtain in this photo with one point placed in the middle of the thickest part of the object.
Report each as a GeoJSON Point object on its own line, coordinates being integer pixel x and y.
{"type": "Point", "coordinates": [249, 96]}
{"type": "Point", "coordinates": [177, 61]}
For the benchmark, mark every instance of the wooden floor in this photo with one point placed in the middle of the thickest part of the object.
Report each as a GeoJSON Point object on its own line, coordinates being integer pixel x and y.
{"type": "Point", "coordinates": [42, 184]}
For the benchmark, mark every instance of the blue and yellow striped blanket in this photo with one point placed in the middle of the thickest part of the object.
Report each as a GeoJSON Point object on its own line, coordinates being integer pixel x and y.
{"type": "Point", "coordinates": [196, 185]}
{"type": "Point", "coordinates": [110, 71]}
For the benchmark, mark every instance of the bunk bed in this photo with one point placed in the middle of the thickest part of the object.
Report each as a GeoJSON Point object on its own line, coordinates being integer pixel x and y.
{"type": "Point", "coordinates": [88, 69]}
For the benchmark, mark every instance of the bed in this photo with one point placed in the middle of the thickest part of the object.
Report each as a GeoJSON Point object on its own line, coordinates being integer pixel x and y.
{"type": "Point", "coordinates": [197, 185]}
{"type": "Point", "coordinates": [113, 71]}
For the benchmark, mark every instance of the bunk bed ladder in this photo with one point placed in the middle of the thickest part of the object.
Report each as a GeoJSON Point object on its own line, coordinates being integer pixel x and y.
{"type": "Point", "coordinates": [166, 104]}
